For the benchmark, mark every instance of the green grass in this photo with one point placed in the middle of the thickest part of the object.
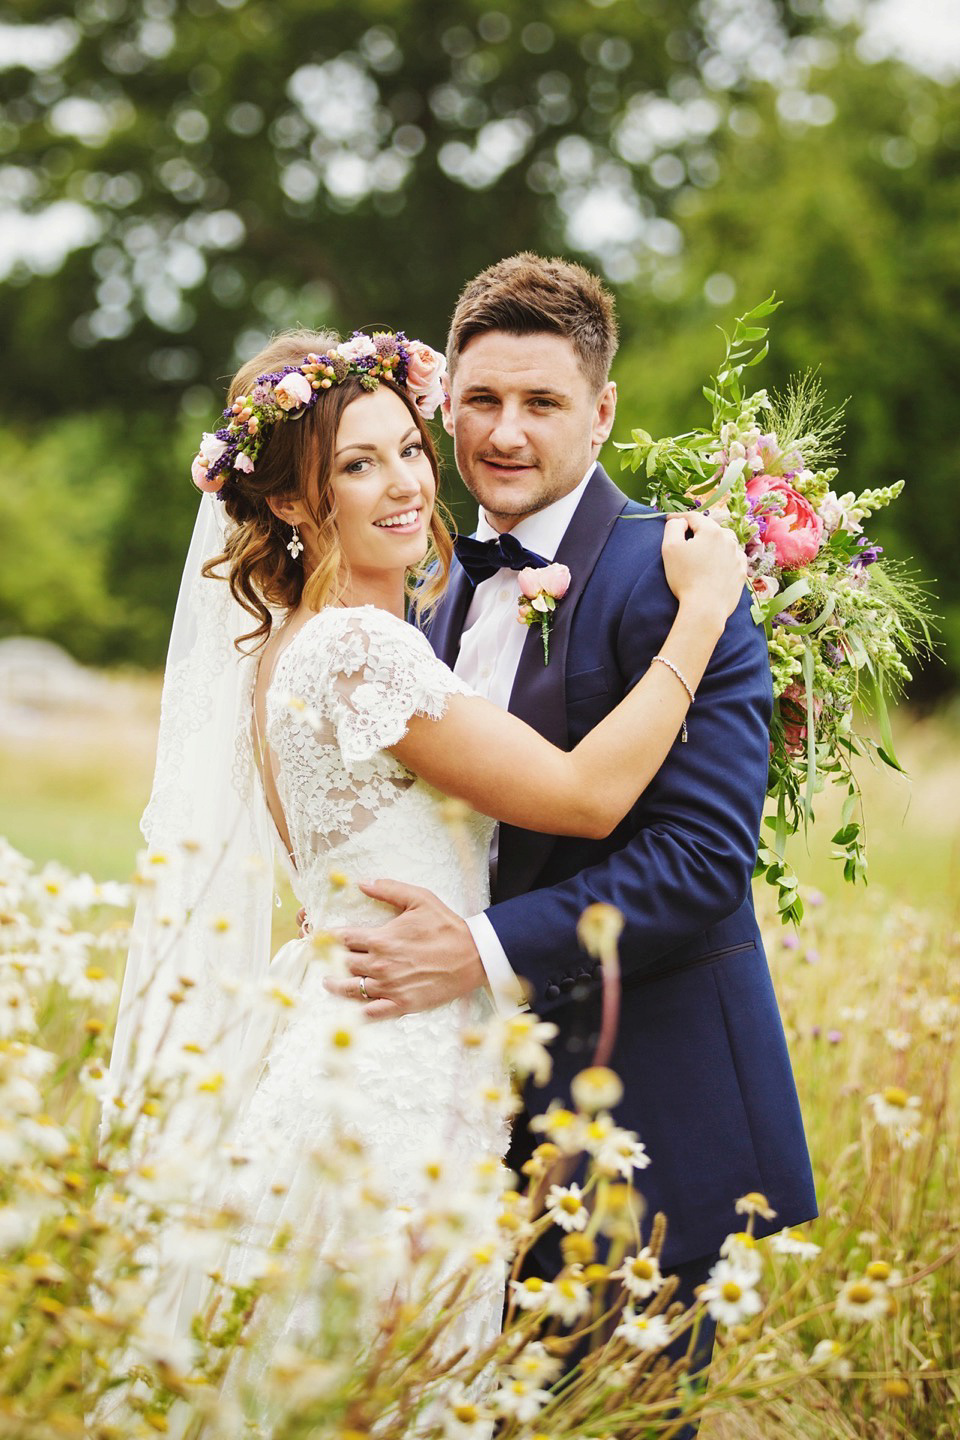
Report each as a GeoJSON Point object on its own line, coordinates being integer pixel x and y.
{"type": "Point", "coordinates": [865, 963]}
{"type": "Point", "coordinates": [73, 787]}
{"type": "Point", "coordinates": [73, 790]}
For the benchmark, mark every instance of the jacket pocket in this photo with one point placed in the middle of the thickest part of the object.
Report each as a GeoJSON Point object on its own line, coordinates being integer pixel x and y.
{"type": "Point", "coordinates": [647, 977]}
{"type": "Point", "coordinates": [585, 684]}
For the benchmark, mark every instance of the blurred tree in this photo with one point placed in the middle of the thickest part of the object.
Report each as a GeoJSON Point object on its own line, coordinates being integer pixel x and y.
{"type": "Point", "coordinates": [94, 531]}
{"type": "Point", "coordinates": [213, 170]}
{"type": "Point", "coordinates": [229, 168]}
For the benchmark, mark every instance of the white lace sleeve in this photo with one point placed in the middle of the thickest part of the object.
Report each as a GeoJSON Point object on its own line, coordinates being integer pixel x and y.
{"type": "Point", "coordinates": [342, 693]}
{"type": "Point", "coordinates": [382, 672]}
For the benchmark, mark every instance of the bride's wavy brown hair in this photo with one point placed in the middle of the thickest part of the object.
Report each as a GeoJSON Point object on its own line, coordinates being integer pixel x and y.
{"type": "Point", "coordinates": [262, 574]}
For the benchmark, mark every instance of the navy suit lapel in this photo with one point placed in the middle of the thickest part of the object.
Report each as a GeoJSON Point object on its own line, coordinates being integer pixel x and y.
{"type": "Point", "coordinates": [539, 691]}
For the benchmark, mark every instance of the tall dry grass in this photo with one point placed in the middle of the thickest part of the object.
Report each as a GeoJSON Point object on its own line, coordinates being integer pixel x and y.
{"type": "Point", "coordinates": [870, 994]}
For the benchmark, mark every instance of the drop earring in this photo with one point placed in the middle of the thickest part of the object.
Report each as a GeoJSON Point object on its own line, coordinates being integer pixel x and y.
{"type": "Point", "coordinates": [295, 544]}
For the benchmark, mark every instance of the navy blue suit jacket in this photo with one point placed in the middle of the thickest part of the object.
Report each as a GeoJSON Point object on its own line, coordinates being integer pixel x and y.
{"type": "Point", "coordinates": [700, 1047]}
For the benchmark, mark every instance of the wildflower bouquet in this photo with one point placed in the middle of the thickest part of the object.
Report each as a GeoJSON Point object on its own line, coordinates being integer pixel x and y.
{"type": "Point", "coordinates": [840, 623]}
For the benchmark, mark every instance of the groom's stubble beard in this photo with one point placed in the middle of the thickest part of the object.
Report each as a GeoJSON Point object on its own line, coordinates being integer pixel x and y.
{"type": "Point", "coordinates": [504, 511]}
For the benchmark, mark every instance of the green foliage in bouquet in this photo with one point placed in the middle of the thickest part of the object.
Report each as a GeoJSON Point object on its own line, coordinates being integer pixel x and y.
{"type": "Point", "coordinates": [841, 624]}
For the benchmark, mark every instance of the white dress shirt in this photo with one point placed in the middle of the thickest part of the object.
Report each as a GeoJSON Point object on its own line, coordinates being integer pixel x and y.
{"type": "Point", "coordinates": [489, 656]}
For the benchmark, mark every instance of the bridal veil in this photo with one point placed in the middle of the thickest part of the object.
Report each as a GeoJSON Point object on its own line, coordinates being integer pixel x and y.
{"type": "Point", "coordinates": [201, 928]}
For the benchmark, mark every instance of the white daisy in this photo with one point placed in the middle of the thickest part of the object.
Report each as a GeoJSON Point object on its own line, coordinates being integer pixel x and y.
{"type": "Point", "coordinates": [171, 1354]}
{"type": "Point", "coordinates": [730, 1294]}
{"type": "Point", "coordinates": [742, 1250]}
{"type": "Point", "coordinates": [596, 1088]}
{"type": "Point", "coordinates": [45, 1136]}
{"type": "Point", "coordinates": [897, 1112]}
{"type": "Point", "coordinates": [794, 1242]}
{"type": "Point", "coordinates": [93, 985]}
{"type": "Point", "coordinates": [535, 1365]}
{"type": "Point", "coordinates": [830, 1355]}
{"type": "Point", "coordinates": [569, 1298]}
{"type": "Point", "coordinates": [640, 1274]}
{"type": "Point", "coordinates": [644, 1332]}
{"type": "Point", "coordinates": [755, 1203]}
{"type": "Point", "coordinates": [19, 1096]}
{"type": "Point", "coordinates": [562, 1127]}
{"type": "Point", "coordinates": [532, 1293]}
{"type": "Point", "coordinates": [898, 1040]}
{"type": "Point", "coordinates": [621, 1154]}
{"type": "Point", "coordinates": [519, 1400]}
{"type": "Point", "coordinates": [524, 1040]}
{"type": "Point", "coordinates": [17, 1228]}
{"type": "Point", "coordinates": [464, 1419]}
{"type": "Point", "coordinates": [863, 1300]}
{"type": "Point", "coordinates": [566, 1207]}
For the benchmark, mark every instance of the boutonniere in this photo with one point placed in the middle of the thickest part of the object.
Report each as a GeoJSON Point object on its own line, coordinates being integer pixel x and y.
{"type": "Point", "coordinates": [540, 589]}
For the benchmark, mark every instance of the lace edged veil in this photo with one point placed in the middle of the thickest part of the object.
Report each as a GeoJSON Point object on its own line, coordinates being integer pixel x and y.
{"type": "Point", "coordinates": [202, 922]}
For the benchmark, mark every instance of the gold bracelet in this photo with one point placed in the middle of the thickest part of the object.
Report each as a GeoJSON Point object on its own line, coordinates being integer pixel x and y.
{"type": "Point", "coordinates": [683, 681]}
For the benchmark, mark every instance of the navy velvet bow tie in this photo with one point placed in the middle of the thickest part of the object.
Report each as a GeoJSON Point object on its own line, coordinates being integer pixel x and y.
{"type": "Point", "coordinates": [483, 558]}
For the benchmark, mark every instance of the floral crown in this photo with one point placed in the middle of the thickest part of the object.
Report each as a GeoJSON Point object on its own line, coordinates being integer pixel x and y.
{"type": "Point", "coordinates": [288, 394]}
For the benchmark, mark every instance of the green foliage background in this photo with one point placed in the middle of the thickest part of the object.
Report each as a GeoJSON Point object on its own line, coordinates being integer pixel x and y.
{"type": "Point", "coordinates": [242, 166]}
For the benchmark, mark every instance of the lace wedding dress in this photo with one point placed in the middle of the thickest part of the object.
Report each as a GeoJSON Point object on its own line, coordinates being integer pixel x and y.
{"type": "Point", "coordinates": [413, 1095]}
{"type": "Point", "coordinates": [412, 1099]}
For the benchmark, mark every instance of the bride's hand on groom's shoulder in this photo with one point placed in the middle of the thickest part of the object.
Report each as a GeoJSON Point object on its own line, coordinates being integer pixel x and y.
{"type": "Point", "coordinates": [424, 957]}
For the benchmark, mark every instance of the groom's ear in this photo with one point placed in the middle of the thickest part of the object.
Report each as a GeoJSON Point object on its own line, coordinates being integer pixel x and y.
{"type": "Point", "coordinates": [446, 408]}
{"type": "Point", "coordinates": [604, 414]}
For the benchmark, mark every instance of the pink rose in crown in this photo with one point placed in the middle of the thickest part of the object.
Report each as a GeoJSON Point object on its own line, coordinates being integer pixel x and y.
{"type": "Point", "coordinates": [425, 372]}
{"type": "Point", "coordinates": [793, 527]}
{"type": "Point", "coordinates": [200, 475]}
{"type": "Point", "coordinates": [243, 462]}
{"type": "Point", "coordinates": [211, 450]}
{"type": "Point", "coordinates": [292, 391]}
{"type": "Point", "coordinates": [793, 713]}
{"type": "Point", "coordinates": [553, 580]}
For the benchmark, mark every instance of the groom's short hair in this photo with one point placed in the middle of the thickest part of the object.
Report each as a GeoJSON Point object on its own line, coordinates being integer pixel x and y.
{"type": "Point", "coordinates": [526, 294]}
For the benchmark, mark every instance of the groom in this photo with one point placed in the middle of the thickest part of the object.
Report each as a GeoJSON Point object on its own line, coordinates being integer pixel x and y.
{"type": "Point", "coordinates": [700, 1047]}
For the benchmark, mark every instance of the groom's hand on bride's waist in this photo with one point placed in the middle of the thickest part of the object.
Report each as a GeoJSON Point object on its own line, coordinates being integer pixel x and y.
{"type": "Point", "coordinates": [425, 956]}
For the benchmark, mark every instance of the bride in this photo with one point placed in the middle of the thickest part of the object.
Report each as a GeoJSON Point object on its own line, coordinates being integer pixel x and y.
{"type": "Point", "coordinates": [301, 710]}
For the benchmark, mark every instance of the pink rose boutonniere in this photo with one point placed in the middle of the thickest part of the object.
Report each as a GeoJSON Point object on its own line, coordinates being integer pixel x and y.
{"type": "Point", "coordinates": [540, 589]}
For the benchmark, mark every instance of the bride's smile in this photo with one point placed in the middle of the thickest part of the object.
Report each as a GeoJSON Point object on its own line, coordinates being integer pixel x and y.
{"type": "Point", "coordinates": [383, 487]}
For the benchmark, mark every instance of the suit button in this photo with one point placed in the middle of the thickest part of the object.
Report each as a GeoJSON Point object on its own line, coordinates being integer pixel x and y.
{"type": "Point", "coordinates": [567, 984]}
{"type": "Point", "coordinates": [585, 974]}
{"type": "Point", "coordinates": [552, 992]}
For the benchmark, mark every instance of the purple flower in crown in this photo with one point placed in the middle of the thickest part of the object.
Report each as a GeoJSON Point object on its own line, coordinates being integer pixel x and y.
{"type": "Point", "coordinates": [289, 393]}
